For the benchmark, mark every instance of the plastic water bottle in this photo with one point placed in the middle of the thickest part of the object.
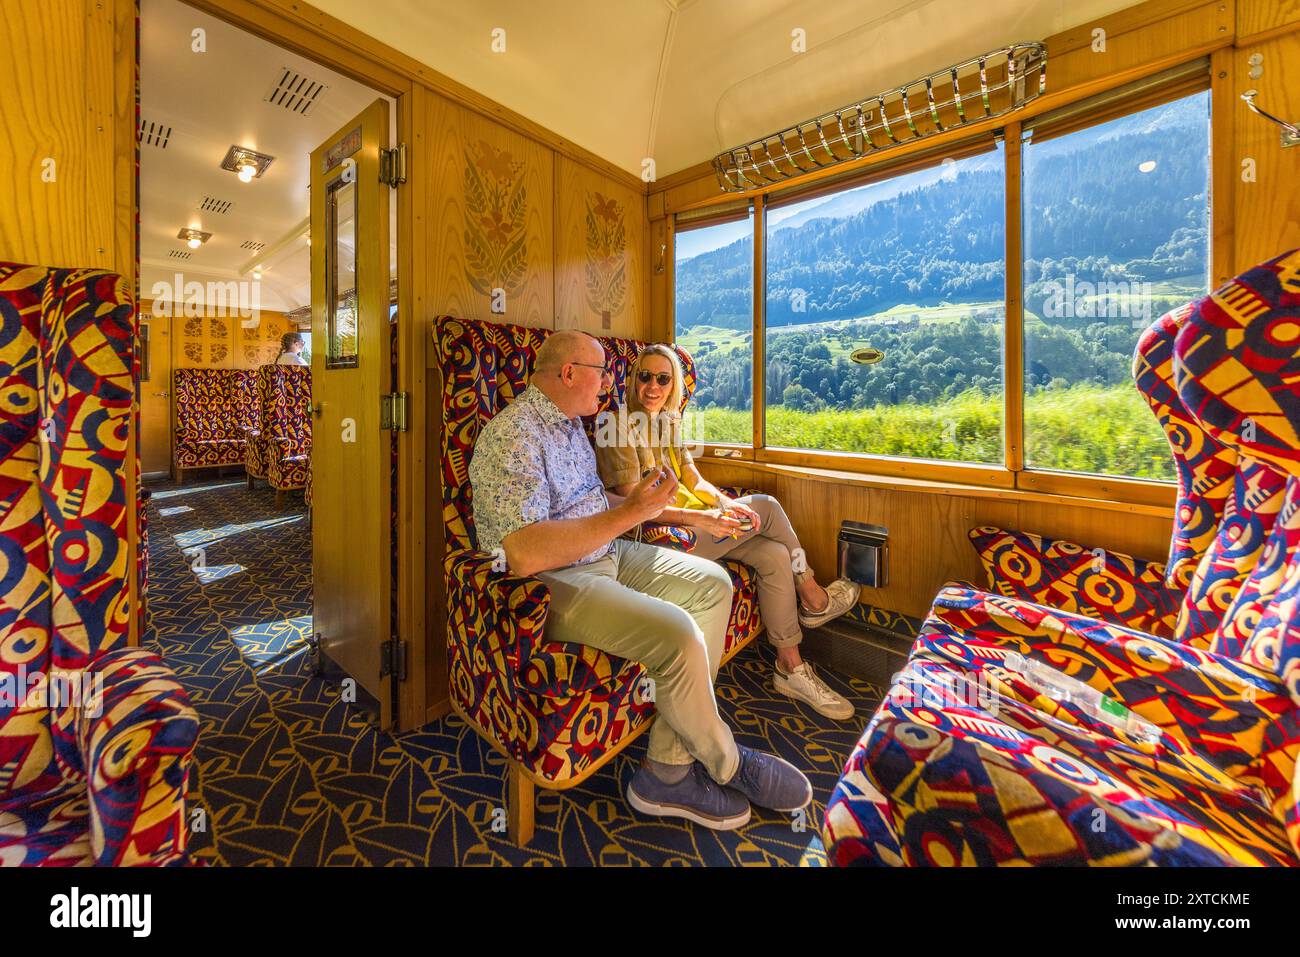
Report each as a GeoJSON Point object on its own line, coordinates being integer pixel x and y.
{"type": "Point", "coordinates": [1061, 687]}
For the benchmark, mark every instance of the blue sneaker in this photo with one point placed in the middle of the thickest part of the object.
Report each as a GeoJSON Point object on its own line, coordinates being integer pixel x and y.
{"type": "Point", "coordinates": [770, 782]}
{"type": "Point", "coordinates": [696, 797]}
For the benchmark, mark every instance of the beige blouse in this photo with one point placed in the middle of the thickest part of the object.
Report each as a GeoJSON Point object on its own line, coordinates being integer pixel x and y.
{"type": "Point", "coordinates": [624, 450]}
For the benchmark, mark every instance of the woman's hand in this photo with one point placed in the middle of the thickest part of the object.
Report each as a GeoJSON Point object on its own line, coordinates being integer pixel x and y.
{"type": "Point", "coordinates": [716, 522]}
{"type": "Point", "coordinates": [744, 513]}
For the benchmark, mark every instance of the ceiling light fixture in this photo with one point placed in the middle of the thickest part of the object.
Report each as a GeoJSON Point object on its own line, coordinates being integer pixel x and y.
{"type": "Point", "coordinates": [248, 164]}
{"type": "Point", "coordinates": [982, 88]}
{"type": "Point", "coordinates": [194, 238]}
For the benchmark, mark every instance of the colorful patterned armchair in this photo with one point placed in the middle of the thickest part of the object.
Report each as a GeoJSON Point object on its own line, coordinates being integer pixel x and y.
{"type": "Point", "coordinates": [968, 761]}
{"type": "Point", "coordinates": [95, 737]}
{"type": "Point", "coordinates": [278, 447]}
{"type": "Point", "coordinates": [558, 711]}
{"type": "Point", "coordinates": [215, 409]}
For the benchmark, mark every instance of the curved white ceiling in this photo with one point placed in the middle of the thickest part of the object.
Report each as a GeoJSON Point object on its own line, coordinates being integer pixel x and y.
{"type": "Point", "coordinates": [208, 101]}
{"type": "Point", "coordinates": [681, 80]}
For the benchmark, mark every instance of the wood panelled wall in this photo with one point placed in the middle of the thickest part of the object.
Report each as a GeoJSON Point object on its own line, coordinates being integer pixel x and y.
{"type": "Point", "coordinates": [928, 545]}
{"type": "Point", "coordinates": [1254, 220]}
{"type": "Point", "coordinates": [1267, 213]}
{"type": "Point", "coordinates": [522, 234]}
{"type": "Point", "coordinates": [602, 283]}
{"type": "Point", "coordinates": [212, 340]}
{"type": "Point", "coordinates": [67, 121]}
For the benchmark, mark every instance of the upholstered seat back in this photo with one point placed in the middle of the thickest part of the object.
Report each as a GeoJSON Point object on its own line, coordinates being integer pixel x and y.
{"type": "Point", "coordinates": [484, 367]}
{"type": "Point", "coordinates": [66, 393]}
{"type": "Point", "coordinates": [284, 405]}
{"type": "Point", "coordinates": [214, 404]}
{"type": "Point", "coordinates": [1237, 370]}
{"type": "Point", "coordinates": [1206, 469]}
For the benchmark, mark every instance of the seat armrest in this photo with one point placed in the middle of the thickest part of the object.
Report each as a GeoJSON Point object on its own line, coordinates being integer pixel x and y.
{"type": "Point", "coordinates": [678, 537]}
{"type": "Point", "coordinates": [738, 491]}
{"type": "Point", "coordinates": [1097, 582]}
{"type": "Point", "coordinates": [136, 736]}
{"type": "Point", "coordinates": [486, 603]}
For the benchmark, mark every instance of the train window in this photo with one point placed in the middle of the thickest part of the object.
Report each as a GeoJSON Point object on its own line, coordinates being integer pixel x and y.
{"type": "Point", "coordinates": [713, 288]}
{"type": "Point", "coordinates": [885, 310]}
{"type": "Point", "coordinates": [1116, 232]}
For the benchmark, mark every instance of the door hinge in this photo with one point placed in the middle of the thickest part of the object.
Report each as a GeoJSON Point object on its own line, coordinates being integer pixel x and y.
{"type": "Point", "coordinates": [393, 659]}
{"type": "Point", "coordinates": [392, 412]}
{"type": "Point", "coordinates": [392, 165]}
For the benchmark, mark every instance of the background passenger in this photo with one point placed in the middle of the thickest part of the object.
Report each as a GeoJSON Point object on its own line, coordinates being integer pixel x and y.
{"type": "Point", "coordinates": [291, 346]}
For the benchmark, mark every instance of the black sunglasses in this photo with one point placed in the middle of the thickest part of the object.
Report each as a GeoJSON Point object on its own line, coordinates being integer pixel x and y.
{"type": "Point", "coordinates": [663, 378]}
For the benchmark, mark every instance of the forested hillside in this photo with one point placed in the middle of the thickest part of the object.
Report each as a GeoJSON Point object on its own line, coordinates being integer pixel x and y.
{"type": "Point", "coordinates": [919, 275]}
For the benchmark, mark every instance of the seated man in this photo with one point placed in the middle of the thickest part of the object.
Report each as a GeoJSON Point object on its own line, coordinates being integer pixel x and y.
{"type": "Point", "coordinates": [538, 497]}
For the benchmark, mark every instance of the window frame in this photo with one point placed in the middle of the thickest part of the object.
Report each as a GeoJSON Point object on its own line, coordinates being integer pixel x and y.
{"type": "Point", "coordinates": [1012, 474]}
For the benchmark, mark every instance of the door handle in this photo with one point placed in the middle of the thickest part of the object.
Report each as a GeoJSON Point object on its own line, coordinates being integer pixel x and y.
{"type": "Point", "coordinates": [315, 409]}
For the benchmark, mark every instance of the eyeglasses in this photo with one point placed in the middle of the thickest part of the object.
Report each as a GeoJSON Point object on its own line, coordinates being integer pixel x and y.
{"type": "Point", "coordinates": [591, 365]}
{"type": "Point", "coordinates": [663, 378]}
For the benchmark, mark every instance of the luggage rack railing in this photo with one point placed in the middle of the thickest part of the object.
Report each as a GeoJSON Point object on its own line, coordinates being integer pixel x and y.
{"type": "Point", "coordinates": [984, 87]}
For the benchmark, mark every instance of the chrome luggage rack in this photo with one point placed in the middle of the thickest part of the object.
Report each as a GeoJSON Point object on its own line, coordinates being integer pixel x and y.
{"type": "Point", "coordinates": [981, 88]}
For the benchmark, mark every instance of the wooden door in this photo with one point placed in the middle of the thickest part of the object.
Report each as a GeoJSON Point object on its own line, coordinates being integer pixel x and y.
{"type": "Point", "coordinates": [351, 369]}
{"type": "Point", "coordinates": [155, 394]}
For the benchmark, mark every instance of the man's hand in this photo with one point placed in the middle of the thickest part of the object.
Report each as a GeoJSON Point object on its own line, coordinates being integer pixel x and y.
{"type": "Point", "coordinates": [651, 495]}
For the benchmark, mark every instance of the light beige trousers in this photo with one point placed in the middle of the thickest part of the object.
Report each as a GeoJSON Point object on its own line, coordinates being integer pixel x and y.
{"type": "Point", "coordinates": [774, 553]}
{"type": "Point", "coordinates": [669, 611]}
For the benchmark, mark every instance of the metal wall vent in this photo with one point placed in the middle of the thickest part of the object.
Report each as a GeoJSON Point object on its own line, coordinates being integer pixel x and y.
{"type": "Point", "coordinates": [153, 134]}
{"type": "Point", "coordinates": [295, 92]}
{"type": "Point", "coordinates": [213, 205]}
{"type": "Point", "coordinates": [252, 245]}
{"type": "Point", "coordinates": [180, 254]}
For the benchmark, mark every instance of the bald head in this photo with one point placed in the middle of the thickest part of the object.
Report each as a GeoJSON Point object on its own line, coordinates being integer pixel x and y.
{"type": "Point", "coordinates": [569, 370]}
{"type": "Point", "coordinates": [563, 347]}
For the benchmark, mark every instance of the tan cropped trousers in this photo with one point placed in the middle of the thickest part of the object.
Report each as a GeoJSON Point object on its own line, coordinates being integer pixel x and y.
{"type": "Point", "coordinates": [775, 554]}
{"type": "Point", "coordinates": [669, 611]}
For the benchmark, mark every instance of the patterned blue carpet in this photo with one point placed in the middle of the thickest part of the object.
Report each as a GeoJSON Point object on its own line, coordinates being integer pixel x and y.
{"type": "Point", "coordinates": [287, 774]}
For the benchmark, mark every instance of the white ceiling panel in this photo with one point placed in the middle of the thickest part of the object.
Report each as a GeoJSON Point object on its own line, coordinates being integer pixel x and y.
{"type": "Point", "coordinates": [210, 101]}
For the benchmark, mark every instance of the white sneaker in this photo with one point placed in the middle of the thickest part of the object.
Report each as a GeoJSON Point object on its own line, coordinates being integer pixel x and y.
{"type": "Point", "coordinates": [842, 594]}
{"type": "Point", "coordinates": [804, 684]}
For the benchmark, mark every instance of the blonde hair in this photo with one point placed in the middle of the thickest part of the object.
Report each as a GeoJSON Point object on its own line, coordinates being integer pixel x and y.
{"type": "Point", "coordinates": [676, 391]}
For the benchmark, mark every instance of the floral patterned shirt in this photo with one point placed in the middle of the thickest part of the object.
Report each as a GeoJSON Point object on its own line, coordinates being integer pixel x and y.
{"type": "Point", "coordinates": [531, 464]}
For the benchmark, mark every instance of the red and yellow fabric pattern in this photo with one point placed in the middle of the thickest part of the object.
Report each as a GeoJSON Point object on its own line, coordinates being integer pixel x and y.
{"type": "Point", "coordinates": [96, 772]}
{"type": "Point", "coordinates": [215, 409]}
{"type": "Point", "coordinates": [968, 761]}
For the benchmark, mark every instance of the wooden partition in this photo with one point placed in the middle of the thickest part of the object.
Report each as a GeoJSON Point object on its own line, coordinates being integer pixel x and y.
{"type": "Point", "coordinates": [521, 233]}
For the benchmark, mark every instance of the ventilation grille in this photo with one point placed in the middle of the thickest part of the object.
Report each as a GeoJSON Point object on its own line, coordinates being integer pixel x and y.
{"type": "Point", "coordinates": [153, 134]}
{"type": "Point", "coordinates": [213, 205]}
{"type": "Point", "coordinates": [295, 92]}
{"type": "Point", "coordinates": [252, 245]}
{"type": "Point", "coordinates": [180, 254]}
